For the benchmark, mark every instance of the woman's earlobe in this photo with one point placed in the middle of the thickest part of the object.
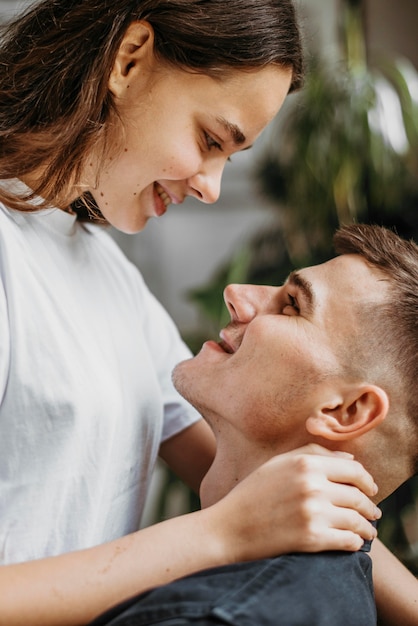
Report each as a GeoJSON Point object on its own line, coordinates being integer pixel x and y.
{"type": "Point", "coordinates": [358, 410]}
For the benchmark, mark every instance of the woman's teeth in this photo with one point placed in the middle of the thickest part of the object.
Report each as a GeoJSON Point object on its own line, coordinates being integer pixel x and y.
{"type": "Point", "coordinates": [163, 195]}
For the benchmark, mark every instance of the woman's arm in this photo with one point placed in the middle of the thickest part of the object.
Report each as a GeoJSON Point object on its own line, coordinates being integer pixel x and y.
{"type": "Point", "coordinates": [396, 589]}
{"type": "Point", "coordinates": [297, 501]}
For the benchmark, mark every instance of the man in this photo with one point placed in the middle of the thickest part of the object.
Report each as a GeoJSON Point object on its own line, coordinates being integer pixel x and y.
{"type": "Point", "coordinates": [329, 358]}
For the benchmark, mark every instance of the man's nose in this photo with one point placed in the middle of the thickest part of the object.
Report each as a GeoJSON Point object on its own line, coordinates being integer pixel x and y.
{"type": "Point", "coordinates": [245, 302]}
{"type": "Point", "coordinates": [241, 302]}
{"type": "Point", "coordinates": [206, 184]}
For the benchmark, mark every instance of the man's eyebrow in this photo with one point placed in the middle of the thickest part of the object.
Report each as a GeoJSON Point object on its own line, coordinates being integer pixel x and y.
{"type": "Point", "coordinates": [305, 287]}
{"type": "Point", "coordinates": [233, 130]}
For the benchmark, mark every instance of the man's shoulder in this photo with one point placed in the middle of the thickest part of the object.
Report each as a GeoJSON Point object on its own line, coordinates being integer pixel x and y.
{"type": "Point", "coordinates": [322, 589]}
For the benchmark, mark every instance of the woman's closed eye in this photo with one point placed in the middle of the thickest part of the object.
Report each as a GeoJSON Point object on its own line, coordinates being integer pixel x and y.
{"type": "Point", "coordinates": [211, 142]}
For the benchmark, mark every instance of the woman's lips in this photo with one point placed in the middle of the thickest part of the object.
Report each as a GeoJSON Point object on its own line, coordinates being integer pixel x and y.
{"type": "Point", "coordinates": [162, 200]}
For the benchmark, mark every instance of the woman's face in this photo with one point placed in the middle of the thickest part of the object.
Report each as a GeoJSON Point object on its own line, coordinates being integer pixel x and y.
{"type": "Point", "coordinates": [175, 134]}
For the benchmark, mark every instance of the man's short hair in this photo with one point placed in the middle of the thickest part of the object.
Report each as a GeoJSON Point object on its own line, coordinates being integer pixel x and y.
{"type": "Point", "coordinates": [390, 338]}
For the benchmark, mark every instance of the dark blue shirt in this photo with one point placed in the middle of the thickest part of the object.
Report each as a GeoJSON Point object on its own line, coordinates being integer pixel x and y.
{"type": "Point", "coordinates": [321, 589]}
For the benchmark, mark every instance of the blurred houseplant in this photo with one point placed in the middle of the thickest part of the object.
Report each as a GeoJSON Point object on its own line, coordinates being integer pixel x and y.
{"type": "Point", "coordinates": [346, 150]}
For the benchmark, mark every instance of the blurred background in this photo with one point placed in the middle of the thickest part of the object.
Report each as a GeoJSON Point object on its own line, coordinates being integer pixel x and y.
{"type": "Point", "coordinates": [344, 148]}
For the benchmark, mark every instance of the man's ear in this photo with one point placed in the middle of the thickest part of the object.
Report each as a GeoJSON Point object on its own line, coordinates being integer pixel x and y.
{"type": "Point", "coordinates": [135, 51]}
{"type": "Point", "coordinates": [350, 413]}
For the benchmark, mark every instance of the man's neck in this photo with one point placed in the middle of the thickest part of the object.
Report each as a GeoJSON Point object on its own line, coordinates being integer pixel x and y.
{"type": "Point", "coordinates": [223, 475]}
{"type": "Point", "coordinates": [235, 459]}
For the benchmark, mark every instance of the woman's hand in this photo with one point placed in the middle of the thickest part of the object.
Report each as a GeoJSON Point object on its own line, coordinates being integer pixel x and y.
{"type": "Point", "coordinates": [307, 500]}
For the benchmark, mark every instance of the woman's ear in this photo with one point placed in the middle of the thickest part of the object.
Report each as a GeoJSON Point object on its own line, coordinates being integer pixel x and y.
{"type": "Point", "coordinates": [350, 413]}
{"type": "Point", "coordinates": [133, 57]}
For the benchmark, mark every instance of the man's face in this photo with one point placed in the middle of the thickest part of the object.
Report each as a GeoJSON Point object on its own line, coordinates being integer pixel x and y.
{"type": "Point", "coordinates": [280, 350]}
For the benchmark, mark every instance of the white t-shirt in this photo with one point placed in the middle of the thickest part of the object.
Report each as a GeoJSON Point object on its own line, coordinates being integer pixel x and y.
{"type": "Point", "coordinates": [86, 354]}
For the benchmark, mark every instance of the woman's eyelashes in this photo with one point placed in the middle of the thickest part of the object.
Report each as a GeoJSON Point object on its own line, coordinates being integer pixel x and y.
{"type": "Point", "coordinates": [212, 143]}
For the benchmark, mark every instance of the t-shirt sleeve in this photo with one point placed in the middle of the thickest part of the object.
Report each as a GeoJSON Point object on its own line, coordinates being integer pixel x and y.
{"type": "Point", "coordinates": [167, 349]}
{"type": "Point", "coordinates": [4, 338]}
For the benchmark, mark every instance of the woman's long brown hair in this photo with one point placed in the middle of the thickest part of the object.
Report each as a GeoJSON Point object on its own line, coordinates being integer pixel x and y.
{"type": "Point", "coordinates": [56, 59]}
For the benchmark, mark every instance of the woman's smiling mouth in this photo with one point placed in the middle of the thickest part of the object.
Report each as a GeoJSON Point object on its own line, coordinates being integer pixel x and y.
{"type": "Point", "coordinates": [163, 199]}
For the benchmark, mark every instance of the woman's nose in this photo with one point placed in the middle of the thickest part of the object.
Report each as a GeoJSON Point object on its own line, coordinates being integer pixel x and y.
{"type": "Point", "coordinates": [206, 184]}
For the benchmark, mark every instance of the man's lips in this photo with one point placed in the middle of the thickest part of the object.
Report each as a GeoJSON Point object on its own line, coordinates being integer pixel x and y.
{"type": "Point", "coordinates": [226, 344]}
{"type": "Point", "coordinates": [225, 347]}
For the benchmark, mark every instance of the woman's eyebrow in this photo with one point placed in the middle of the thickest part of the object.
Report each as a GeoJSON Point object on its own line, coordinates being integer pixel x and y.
{"type": "Point", "coordinates": [233, 130]}
{"type": "Point", "coordinates": [306, 289]}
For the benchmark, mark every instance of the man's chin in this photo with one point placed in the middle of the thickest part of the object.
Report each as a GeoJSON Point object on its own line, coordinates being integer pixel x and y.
{"type": "Point", "coordinates": [180, 378]}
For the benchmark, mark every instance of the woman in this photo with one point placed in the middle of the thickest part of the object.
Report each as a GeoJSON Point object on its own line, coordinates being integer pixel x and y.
{"type": "Point", "coordinates": [111, 111]}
